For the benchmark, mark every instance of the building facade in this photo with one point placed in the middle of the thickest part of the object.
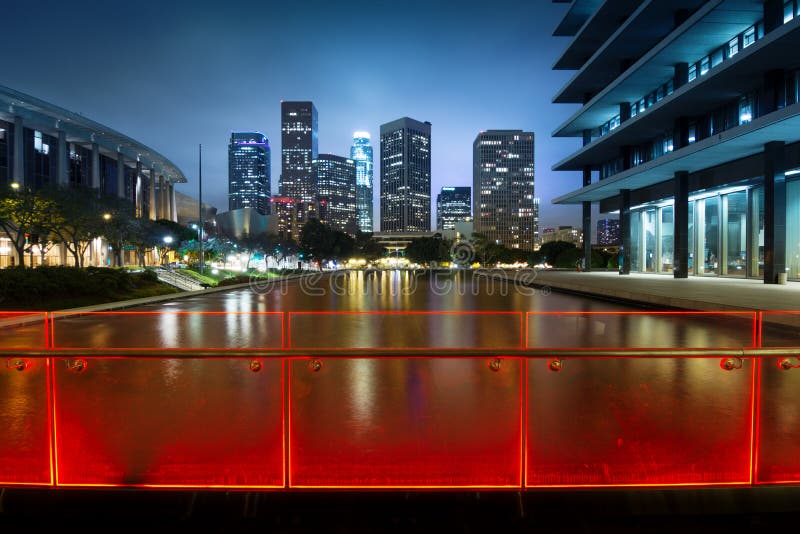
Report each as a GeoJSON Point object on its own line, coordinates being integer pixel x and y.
{"type": "Point", "coordinates": [361, 153]}
{"type": "Point", "coordinates": [337, 191]}
{"type": "Point", "coordinates": [290, 215]}
{"type": "Point", "coordinates": [249, 172]}
{"type": "Point", "coordinates": [43, 145]}
{"type": "Point", "coordinates": [406, 176]}
{"type": "Point", "coordinates": [690, 131]}
{"type": "Point", "coordinates": [299, 140]}
{"type": "Point", "coordinates": [568, 234]}
{"type": "Point", "coordinates": [608, 232]}
{"type": "Point", "coordinates": [453, 204]}
{"type": "Point", "coordinates": [504, 206]}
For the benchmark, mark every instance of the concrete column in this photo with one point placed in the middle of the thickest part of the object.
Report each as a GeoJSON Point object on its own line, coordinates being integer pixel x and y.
{"type": "Point", "coordinates": [624, 112]}
{"type": "Point", "coordinates": [63, 168]}
{"type": "Point", "coordinates": [173, 211]}
{"type": "Point", "coordinates": [587, 224]}
{"type": "Point", "coordinates": [137, 191]}
{"type": "Point", "coordinates": [626, 154]}
{"type": "Point", "coordinates": [96, 167]}
{"type": "Point", "coordinates": [152, 193]}
{"type": "Point", "coordinates": [680, 133]}
{"type": "Point", "coordinates": [18, 173]}
{"type": "Point", "coordinates": [162, 198]}
{"type": "Point", "coordinates": [587, 137]}
{"type": "Point", "coordinates": [773, 15]}
{"type": "Point", "coordinates": [120, 175]}
{"type": "Point", "coordinates": [681, 77]}
{"type": "Point", "coordinates": [773, 94]}
{"type": "Point", "coordinates": [625, 231]}
{"type": "Point", "coordinates": [774, 211]}
{"type": "Point", "coordinates": [681, 229]}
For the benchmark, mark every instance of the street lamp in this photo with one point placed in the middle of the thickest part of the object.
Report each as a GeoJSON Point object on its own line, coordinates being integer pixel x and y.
{"type": "Point", "coordinates": [14, 186]}
{"type": "Point", "coordinates": [106, 216]}
{"type": "Point", "coordinates": [168, 239]}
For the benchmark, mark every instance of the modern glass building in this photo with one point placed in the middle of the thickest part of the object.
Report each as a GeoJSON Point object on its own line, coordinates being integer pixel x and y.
{"type": "Point", "coordinates": [406, 176]}
{"type": "Point", "coordinates": [336, 191]}
{"type": "Point", "coordinates": [690, 131]}
{"type": "Point", "coordinates": [504, 206]}
{"type": "Point", "coordinates": [249, 172]}
{"type": "Point", "coordinates": [361, 153]}
{"type": "Point", "coordinates": [453, 204]}
{"type": "Point", "coordinates": [45, 145]}
{"type": "Point", "coordinates": [299, 140]}
{"type": "Point", "coordinates": [291, 214]}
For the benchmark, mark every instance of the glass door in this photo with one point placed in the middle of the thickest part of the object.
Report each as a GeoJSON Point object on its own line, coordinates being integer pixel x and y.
{"type": "Point", "coordinates": [666, 231]}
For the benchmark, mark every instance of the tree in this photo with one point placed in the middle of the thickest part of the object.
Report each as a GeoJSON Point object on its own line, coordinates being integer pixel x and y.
{"type": "Point", "coordinates": [23, 214]}
{"type": "Point", "coordinates": [76, 218]}
{"type": "Point", "coordinates": [320, 242]}
{"type": "Point", "coordinates": [425, 250]}
{"type": "Point", "coordinates": [367, 247]}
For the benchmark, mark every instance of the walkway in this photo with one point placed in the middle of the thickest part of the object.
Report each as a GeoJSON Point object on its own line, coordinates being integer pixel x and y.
{"type": "Point", "coordinates": [694, 293]}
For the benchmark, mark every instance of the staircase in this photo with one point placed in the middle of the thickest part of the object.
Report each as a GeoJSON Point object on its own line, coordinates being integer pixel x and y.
{"type": "Point", "coordinates": [176, 279]}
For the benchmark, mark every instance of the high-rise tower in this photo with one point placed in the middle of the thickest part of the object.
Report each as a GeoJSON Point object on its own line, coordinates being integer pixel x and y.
{"type": "Point", "coordinates": [504, 208]}
{"type": "Point", "coordinates": [361, 153]}
{"type": "Point", "coordinates": [406, 176]}
{"type": "Point", "coordinates": [298, 149]}
{"type": "Point", "coordinates": [249, 171]}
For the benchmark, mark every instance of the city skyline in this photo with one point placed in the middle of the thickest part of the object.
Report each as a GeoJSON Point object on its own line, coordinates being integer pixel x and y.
{"type": "Point", "coordinates": [177, 89]}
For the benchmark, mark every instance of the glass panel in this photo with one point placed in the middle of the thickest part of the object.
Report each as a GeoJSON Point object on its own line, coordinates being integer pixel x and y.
{"type": "Point", "coordinates": [757, 232]}
{"type": "Point", "coordinates": [23, 330]}
{"type": "Point", "coordinates": [666, 230]}
{"type": "Point", "coordinates": [137, 421]}
{"type": "Point", "coordinates": [636, 241]}
{"type": "Point", "coordinates": [638, 421]}
{"type": "Point", "coordinates": [390, 422]}
{"type": "Point", "coordinates": [708, 236]}
{"type": "Point", "coordinates": [406, 329]}
{"type": "Point", "coordinates": [735, 235]}
{"type": "Point", "coordinates": [778, 451]}
{"type": "Point", "coordinates": [649, 223]}
{"type": "Point", "coordinates": [627, 330]}
{"type": "Point", "coordinates": [793, 228]}
{"type": "Point", "coordinates": [690, 235]}
{"type": "Point", "coordinates": [171, 330]}
{"type": "Point", "coordinates": [24, 422]}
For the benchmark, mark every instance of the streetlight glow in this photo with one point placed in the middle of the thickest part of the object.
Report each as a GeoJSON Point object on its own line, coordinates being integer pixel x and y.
{"type": "Point", "coordinates": [168, 239]}
{"type": "Point", "coordinates": [107, 216]}
{"type": "Point", "coordinates": [14, 185]}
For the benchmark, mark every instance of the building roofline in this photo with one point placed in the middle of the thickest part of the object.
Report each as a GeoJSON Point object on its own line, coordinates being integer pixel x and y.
{"type": "Point", "coordinates": [29, 107]}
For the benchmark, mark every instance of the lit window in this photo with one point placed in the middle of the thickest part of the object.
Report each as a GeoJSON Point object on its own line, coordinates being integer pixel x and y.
{"type": "Point", "coordinates": [692, 71]}
{"type": "Point", "coordinates": [705, 65]}
{"type": "Point", "coordinates": [733, 47]}
{"type": "Point", "coordinates": [745, 111]}
{"type": "Point", "coordinates": [788, 12]}
{"type": "Point", "coordinates": [749, 36]}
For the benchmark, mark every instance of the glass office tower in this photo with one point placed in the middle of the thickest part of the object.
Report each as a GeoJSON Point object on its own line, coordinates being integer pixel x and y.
{"type": "Point", "coordinates": [299, 140]}
{"type": "Point", "coordinates": [453, 204]}
{"type": "Point", "coordinates": [361, 153]}
{"type": "Point", "coordinates": [406, 176]}
{"type": "Point", "coordinates": [249, 172]}
{"type": "Point", "coordinates": [336, 191]}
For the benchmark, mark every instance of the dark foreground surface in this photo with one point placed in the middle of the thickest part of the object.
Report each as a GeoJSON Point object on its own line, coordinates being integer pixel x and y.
{"type": "Point", "coordinates": [644, 510]}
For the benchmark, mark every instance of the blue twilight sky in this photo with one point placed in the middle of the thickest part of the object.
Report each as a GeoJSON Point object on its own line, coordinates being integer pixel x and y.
{"type": "Point", "coordinates": [176, 73]}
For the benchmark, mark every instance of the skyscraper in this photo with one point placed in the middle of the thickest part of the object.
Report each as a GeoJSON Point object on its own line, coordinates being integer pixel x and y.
{"type": "Point", "coordinates": [298, 149]}
{"type": "Point", "coordinates": [504, 207]}
{"type": "Point", "coordinates": [249, 171]}
{"type": "Point", "coordinates": [336, 191]}
{"type": "Point", "coordinates": [406, 176]}
{"type": "Point", "coordinates": [453, 204]}
{"type": "Point", "coordinates": [361, 153]}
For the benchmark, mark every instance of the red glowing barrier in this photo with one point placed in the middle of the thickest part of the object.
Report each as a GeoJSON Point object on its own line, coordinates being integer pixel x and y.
{"type": "Point", "coordinates": [169, 422]}
{"type": "Point", "coordinates": [645, 329]}
{"type": "Point", "coordinates": [410, 423]}
{"type": "Point", "coordinates": [168, 330]}
{"type": "Point", "coordinates": [626, 421]}
{"type": "Point", "coordinates": [24, 422]}
{"type": "Point", "coordinates": [405, 330]}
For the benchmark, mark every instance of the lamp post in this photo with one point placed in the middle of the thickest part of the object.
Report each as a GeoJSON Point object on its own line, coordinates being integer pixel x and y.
{"type": "Point", "coordinates": [200, 203]}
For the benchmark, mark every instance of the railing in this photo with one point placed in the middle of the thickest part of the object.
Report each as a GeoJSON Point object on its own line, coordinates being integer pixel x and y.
{"type": "Point", "coordinates": [317, 405]}
{"type": "Point", "coordinates": [178, 280]}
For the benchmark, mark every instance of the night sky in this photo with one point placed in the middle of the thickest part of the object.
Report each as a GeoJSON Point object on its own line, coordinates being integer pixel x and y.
{"type": "Point", "coordinates": [173, 74]}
